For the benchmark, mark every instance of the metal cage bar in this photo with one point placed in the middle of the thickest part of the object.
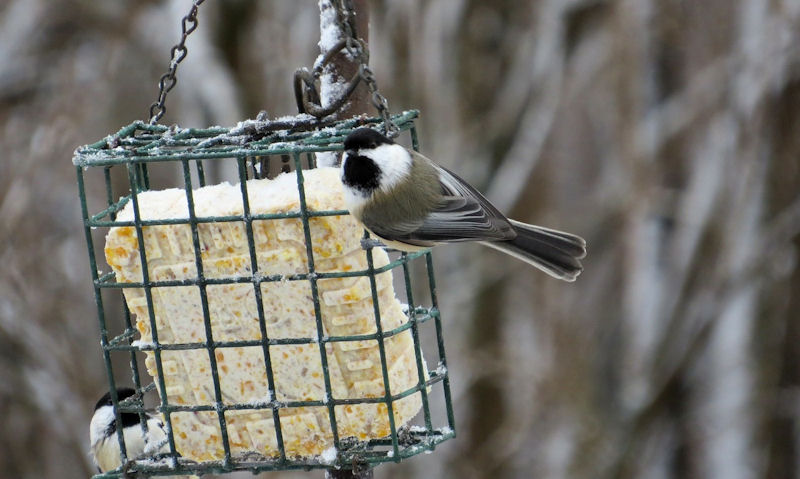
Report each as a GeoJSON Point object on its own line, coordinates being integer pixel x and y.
{"type": "Point", "coordinates": [212, 356]}
{"type": "Point", "coordinates": [417, 347]}
{"type": "Point", "coordinates": [262, 322]}
{"type": "Point", "coordinates": [138, 147]}
{"type": "Point", "coordinates": [382, 351]}
{"type": "Point", "coordinates": [135, 183]}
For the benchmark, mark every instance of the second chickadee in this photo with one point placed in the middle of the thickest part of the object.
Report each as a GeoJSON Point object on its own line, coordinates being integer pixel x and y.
{"type": "Point", "coordinates": [411, 203]}
{"type": "Point", "coordinates": [105, 450]}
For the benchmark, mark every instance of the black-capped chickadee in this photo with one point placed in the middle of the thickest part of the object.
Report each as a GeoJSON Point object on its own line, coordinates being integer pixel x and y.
{"type": "Point", "coordinates": [410, 203]}
{"type": "Point", "coordinates": [105, 450]}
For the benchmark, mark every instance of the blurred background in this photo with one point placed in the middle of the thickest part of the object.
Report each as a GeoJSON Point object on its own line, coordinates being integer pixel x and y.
{"type": "Point", "coordinates": [665, 132]}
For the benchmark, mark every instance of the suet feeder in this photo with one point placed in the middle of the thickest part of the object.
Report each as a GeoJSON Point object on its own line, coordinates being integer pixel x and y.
{"type": "Point", "coordinates": [139, 326]}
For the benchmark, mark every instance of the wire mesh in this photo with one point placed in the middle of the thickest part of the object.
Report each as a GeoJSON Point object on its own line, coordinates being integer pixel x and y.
{"type": "Point", "coordinates": [121, 164]}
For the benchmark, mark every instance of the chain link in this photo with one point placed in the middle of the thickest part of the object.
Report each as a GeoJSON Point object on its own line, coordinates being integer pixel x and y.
{"type": "Point", "coordinates": [178, 53]}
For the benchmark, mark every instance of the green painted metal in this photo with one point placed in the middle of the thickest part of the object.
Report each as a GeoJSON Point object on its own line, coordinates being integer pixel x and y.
{"type": "Point", "coordinates": [138, 145]}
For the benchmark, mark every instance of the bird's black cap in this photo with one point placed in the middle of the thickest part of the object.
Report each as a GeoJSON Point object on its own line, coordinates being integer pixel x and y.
{"type": "Point", "coordinates": [122, 394]}
{"type": "Point", "coordinates": [365, 138]}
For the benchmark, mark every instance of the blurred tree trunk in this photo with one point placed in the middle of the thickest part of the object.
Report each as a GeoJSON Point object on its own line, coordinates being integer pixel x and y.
{"type": "Point", "coordinates": [779, 340]}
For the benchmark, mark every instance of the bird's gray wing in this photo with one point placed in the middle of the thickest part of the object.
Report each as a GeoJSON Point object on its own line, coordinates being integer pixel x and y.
{"type": "Point", "coordinates": [463, 214]}
{"type": "Point", "coordinates": [453, 185]}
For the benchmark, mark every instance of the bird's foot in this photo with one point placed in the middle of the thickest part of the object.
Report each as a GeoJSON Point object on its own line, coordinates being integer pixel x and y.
{"type": "Point", "coordinates": [369, 243]}
{"type": "Point", "coordinates": [126, 470]}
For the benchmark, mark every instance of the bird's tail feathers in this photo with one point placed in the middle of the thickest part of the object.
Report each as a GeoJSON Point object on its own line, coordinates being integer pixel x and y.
{"type": "Point", "coordinates": [554, 252]}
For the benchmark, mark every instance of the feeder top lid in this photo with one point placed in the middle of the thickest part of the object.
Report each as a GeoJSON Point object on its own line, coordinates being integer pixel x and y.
{"type": "Point", "coordinates": [143, 142]}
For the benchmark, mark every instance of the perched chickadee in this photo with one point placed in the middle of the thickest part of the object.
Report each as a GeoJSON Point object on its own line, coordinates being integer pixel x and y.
{"type": "Point", "coordinates": [410, 203]}
{"type": "Point", "coordinates": [103, 434]}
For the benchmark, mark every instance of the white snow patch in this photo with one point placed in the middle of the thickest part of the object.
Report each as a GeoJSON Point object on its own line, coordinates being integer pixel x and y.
{"type": "Point", "coordinates": [331, 87]}
{"type": "Point", "coordinates": [298, 117]}
{"type": "Point", "coordinates": [262, 401]}
{"type": "Point", "coordinates": [328, 456]}
{"type": "Point", "coordinates": [85, 159]}
{"type": "Point", "coordinates": [329, 32]}
{"type": "Point", "coordinates": [142, 345]}
{"type": "Point", "coordinates": [327, 159]}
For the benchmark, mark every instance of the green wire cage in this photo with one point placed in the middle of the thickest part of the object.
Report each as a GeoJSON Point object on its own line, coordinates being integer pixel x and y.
{"type": "Point", "coordinates": [143, 157]}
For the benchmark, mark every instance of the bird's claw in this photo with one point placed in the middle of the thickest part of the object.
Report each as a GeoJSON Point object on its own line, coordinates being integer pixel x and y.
{"type": "Point", "coordinates": [126, 470]}
{"type": "Point", "coordinates": [369, 243]}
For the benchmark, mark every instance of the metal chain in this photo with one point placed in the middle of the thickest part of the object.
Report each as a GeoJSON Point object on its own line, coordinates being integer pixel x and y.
{"type": "Point", "coordinates": [168, 80]}
{"type": "Point", "coordinates": [357, 49]}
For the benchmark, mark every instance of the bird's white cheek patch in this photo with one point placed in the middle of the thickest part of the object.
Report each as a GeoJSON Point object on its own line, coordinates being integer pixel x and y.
{"type": "Point", "coordinates": [394, 162]}
{"type": "Point", "coordinates": [100, 421]}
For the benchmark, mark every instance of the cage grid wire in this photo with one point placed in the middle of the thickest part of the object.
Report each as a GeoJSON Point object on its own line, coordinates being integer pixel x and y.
{"type": "Point", "coordinates": [139, 145]}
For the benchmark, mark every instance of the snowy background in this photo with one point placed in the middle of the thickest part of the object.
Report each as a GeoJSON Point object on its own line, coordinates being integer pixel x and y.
{"type": "Point", "coordinates": [665, 132]}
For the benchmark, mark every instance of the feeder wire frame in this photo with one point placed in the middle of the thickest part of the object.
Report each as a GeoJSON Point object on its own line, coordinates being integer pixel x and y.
{"type": "Point", "coordinates": [136, 146]}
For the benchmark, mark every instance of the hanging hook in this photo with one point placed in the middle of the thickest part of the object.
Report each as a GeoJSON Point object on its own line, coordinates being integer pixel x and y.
{"type": "Point", "coordinates": [307, 95]}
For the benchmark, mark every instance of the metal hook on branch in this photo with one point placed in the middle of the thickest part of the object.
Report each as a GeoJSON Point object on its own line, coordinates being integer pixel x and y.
{"type": "Point", "coordinates": [350, 53]}
{"type": "Point", "coordinates": [307, 96]}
